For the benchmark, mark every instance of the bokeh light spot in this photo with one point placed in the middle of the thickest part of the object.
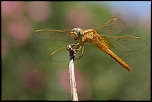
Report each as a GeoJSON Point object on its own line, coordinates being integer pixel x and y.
{"type": "Point", "coordinates": [12, 8]}
{"type": "Point", "coordinates": [39, 11]}
{"type": "Point", "coordinates": [79, 17]}
{"type": "Point", "coordinates": [19, 31]}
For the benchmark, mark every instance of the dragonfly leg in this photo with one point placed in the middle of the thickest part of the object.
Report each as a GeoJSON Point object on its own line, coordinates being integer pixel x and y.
{"type": "Point", "coordinates": [82, 53]}
{"type": "Point", "coordinates": [76, 44]}
{"type": "Point", "coordinates": [78, 47]}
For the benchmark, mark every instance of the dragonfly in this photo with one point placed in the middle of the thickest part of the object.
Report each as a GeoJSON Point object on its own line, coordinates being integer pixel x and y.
{"type": "Point", "coordinates": [102, 37]}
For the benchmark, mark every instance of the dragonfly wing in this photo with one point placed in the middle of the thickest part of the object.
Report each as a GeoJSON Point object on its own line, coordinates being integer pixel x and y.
{"type": "Point", "coordinates": [62, 55]}
{"type": "Point", "coordinates": [52, 34]}
{"type": "Point", "coordinates": [113, 26]}
{"type": "Point", "coordinates": [59, 55]}
{"type": "Point", "coordinates": [124, 43]}
{"type": "Point", "coordinates": [89, 51]}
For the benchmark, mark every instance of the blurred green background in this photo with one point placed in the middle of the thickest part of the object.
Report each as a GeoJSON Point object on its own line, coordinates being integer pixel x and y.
{"type": "Point", "coordinates": [28, 74]}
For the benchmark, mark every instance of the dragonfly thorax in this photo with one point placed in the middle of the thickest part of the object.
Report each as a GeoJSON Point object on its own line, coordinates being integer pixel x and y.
{"type": "Point", "coordinates": [76, 33]}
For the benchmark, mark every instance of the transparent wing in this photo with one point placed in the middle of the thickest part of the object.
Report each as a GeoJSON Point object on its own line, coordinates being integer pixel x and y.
{"type": "Point", "coordinates": [52, 34]}
{"type": "Point", "coordinates": [113, 26]}
{"type": "Point", "coordinates": [62, 55]}
{"type": "Point", "coordinates": [59, 55]}
{"type": "Point", "coordinates": [89, 51]}
{"type": "Point", "coordinates": [124, 43]}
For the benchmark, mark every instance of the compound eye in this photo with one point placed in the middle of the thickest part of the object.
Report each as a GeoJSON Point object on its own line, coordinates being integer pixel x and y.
{"type": "Point", "coordinates": [76, 33]}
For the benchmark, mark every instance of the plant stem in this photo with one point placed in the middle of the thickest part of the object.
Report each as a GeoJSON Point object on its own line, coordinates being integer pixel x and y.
{"type": "Point", "coordinates": [72, 75]}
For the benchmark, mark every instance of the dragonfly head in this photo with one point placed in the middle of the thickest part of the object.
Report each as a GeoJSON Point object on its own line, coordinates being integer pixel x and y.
{"type": "Point", "coordinates": [76, 33]}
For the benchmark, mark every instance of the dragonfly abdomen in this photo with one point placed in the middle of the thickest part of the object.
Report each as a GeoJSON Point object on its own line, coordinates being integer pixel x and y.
{"type": "Point", "coordinates": [104, 48]}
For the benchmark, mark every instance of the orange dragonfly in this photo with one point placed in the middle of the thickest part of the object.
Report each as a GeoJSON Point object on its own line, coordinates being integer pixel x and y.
{"type": "Point", "coordinates": [101, 37]}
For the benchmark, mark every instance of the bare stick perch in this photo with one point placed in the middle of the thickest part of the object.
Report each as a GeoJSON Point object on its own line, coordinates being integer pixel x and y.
{"type": "Point", "coordinates": [72, 54]}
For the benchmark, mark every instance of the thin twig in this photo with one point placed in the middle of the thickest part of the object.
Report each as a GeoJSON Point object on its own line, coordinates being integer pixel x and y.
{"type": "Point", "coordinates": [72, 75]}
